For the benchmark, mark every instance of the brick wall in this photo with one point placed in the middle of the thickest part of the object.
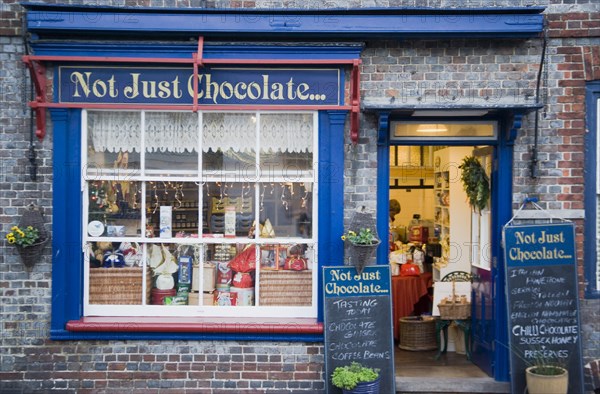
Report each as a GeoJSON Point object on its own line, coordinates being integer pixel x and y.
{"type": "Point", "coordinates": [162, 367]}
{"type": "Point", "coordinates": [408, 71]}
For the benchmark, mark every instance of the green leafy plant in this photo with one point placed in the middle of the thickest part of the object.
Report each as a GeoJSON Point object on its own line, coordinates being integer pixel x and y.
{"type": "Point", "coordinates": [349, 376]}
{"type": "Point", "coordinates": [547, 370]}
{"type": "Point", "coordinates": [364, 237]}
{"type": "Point", "coordinates": [23, 236]}
{"type": "Point", "coordinates": [475, 183]}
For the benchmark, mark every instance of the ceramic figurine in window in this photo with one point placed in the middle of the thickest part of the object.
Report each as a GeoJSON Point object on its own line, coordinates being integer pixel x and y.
{"type": "Point", "coordinates": [113, 259]}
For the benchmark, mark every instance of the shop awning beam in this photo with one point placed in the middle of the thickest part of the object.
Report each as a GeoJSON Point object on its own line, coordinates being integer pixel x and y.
{"type": "Point", "coordinates": [276, 24]}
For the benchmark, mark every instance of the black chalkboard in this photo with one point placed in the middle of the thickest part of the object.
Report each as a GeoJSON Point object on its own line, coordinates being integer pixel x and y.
{"type": "Point", "coordinates": [358, 323]}
{"type": "Point", "coordinates": [542, 298]}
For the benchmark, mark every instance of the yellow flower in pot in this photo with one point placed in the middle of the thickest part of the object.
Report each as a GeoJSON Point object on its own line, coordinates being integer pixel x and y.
{"type": "Point", "coordinates": [364, 237]}
{"type": "Point", "coordinates": [361, 247]}
{"type": "Point", "coordinates": [23, 237]}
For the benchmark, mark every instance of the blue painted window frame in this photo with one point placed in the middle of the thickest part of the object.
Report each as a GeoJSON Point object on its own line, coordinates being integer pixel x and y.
{"type": "Point", "coordinates": [591, 189]}
{"type": "Point", "coordinates": [67, 245]}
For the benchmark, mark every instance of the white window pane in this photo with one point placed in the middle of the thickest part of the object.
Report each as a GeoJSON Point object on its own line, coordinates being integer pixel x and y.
{"type": "Point", "coordinates": [228, 143]}
{"type": "Point", "coordinates": [286, 210]}
{"type": "Point", "coordinates": [171, 143]}
{"type": "Point", "coordinates": [113, 143]}
{"type": "Point", "coordinates": [286, 144]}
{"type": "Point", "coordinates": [114, 209]}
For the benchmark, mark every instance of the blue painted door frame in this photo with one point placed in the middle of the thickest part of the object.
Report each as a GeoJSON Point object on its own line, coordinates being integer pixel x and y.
{"type": "Point", "coordinates": [501, 203]}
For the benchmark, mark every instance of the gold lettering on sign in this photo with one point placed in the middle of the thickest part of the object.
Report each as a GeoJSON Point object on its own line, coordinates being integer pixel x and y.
{"type": "Point", "coordinates": [547, 251]}
{"type": "Point", "coordinates": [218, 92]}
{"type": "Point", "coordinates": [343, 282]}
{"type": "Point", "coordinates": [86, 84]}
{"type": "Point", "coordinates": [98, 87]}
{"type": "Point", "coordinates": [133, 90]}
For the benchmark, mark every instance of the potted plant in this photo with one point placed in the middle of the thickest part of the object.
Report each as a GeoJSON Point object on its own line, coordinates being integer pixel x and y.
{"type": "Point", "coordinates": [542, 374]}
{"type": "Point", "coordinates": [361, 246]}
{"type": "Point", "coordinates": [23, 237]}
{"type": "Point", "coordinates": [356, 378]}
{"type": "Point", "coordinates": [28, 241]}
{"type": "Point", "coordinates": [545, 378]}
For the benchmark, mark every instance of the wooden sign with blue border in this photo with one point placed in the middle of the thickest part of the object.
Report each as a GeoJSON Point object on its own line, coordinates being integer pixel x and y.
{"type": "Point", "coordinates": [543, 301]}
{"type": "Point", "coordinates": [215, 86]}
{"type": "Point", "coordinates": [358, 323]}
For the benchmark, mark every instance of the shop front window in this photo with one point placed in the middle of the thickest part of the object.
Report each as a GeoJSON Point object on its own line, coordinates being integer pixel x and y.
{"type": "Point", "coordinates": [592, 191]}
{"type": "Point", "coordinates": [200, 214]}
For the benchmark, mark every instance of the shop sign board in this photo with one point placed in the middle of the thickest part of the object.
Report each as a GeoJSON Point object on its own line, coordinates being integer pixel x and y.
{"type": "Point", "coordinates": [358, 323]}
{"type": "Point", "coordinates": [542, 299]}
{"type": "Point", "coordinates": [215, 86]}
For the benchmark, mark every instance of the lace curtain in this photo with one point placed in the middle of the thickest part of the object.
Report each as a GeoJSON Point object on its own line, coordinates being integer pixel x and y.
{"type": "Point", "coordinates": [178, 132]}
{"type": "Point", "coordinates": [115, 131]}
{"type": "Point", "coordinates": [171, 132]}
{"type": "Point", "coordinates": [286, 133]}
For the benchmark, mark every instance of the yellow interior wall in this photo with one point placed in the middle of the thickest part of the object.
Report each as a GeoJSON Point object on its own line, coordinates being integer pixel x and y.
{"type": "Point", "coordinates": [414, 201]}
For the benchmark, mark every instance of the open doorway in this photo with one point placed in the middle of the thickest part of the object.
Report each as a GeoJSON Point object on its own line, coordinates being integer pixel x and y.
{"type": "Point", "coordinates": [438, 231]}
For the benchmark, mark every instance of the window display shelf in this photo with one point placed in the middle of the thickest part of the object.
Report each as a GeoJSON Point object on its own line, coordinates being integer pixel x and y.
{"type": "Point", "coordinates": [109, 216]}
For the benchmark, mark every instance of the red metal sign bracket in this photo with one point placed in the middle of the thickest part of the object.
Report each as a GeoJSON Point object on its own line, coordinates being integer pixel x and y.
{"type": "Point", "coordinates": [38, 78]}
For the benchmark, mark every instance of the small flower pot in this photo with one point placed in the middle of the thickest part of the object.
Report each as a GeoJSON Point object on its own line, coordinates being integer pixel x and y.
{"type": "Point", "coordinates": [547, 384]}
{"type": "Point", "coordinates": [365, 388]}
{"type": "Point", "coordinates": [359, 255]}
{"type": "Point", "coordinates": [31, 254]}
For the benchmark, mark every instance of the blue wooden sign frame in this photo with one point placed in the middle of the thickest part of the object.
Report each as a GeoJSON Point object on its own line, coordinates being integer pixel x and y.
{"type": "Point", "coordinates": [357, 321]}
{"type": "Point", "coordinates": [546, 244]}
{"type": "Point", "coordinates": [543, 300]}
{"type": "Point", "coordinates": [216, 86]}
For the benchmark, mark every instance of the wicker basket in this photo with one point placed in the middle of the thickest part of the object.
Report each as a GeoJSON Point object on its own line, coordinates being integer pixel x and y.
{"type": "Point", "coordinates": [285, 288]}
{"type": "Point", "coordinates": [453, 309]}
{"type": "Point", "coordinates": [118, 286]}
{"type": "Point", "coordinates": [417, 333]}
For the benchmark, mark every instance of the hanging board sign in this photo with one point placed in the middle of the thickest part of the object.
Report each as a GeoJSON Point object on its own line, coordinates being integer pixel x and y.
{"type": "Point", "coordinates": [542, 298]}
{"type": "Point", "coordinates": [358, 322]}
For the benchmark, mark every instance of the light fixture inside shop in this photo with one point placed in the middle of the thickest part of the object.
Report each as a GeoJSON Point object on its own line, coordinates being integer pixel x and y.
{"type": "Point", "coordinates": [432, 128]}
{"type": "Point", "coordinates": [454, 112]}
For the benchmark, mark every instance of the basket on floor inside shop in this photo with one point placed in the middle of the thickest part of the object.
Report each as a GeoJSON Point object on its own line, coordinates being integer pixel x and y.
{"type": "Point", "coordinates": [417, 333]}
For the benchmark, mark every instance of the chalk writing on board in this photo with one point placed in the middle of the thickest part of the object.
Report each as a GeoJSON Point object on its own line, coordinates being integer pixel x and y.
{"type": "Point", "coordinates": [542, 313]}
{"type": "Point", "coordinates": [357, 327]}
{"type": "Point", "coordinates": [357, 319]}
{"type": "Point", "coordinates": [542, 300]}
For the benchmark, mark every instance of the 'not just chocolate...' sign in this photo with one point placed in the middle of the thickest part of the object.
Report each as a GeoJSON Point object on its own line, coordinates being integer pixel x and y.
{"type": "Point", "coordinates": [542, 299]}
{"type": "Point", "coordinates": [358, 323]}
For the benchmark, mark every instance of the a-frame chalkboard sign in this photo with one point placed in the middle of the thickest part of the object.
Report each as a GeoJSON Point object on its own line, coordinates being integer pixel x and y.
{"type": "Point", "coordinates": [358, 323]}
{"type": "Point", "coordinates": [542, 299]}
